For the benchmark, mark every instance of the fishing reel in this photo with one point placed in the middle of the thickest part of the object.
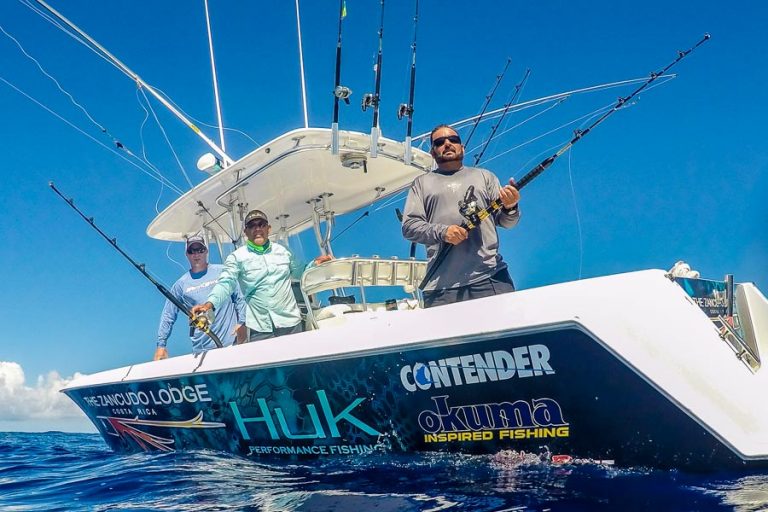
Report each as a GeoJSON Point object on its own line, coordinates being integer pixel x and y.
{"type": "Point", "coordinates": [369, 100]}
{"type": "Point", "coordinates": [469, 209]}
{"type": "Point", "coordinates": [343, 93]}
{"type": "Point", "coordinates": [202, 321]}
{"type": "Point", "coordinates": [404, 110]}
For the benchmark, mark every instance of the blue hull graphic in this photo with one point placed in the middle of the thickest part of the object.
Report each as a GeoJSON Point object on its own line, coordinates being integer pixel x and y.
{"type": "Point", "coordinates": [559, 390]}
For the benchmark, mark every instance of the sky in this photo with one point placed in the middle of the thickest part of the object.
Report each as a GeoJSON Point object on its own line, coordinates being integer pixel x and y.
{"type": "Point", "coordinates": [680, 174]}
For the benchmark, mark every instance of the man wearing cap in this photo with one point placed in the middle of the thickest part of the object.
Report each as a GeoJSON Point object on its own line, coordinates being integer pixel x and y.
{"type": "Point", "coordinates": [263, 270]}
{"type": "Point", "coordinates": [474, 268]}
{"type": "Point", "coordinates": [193, 288]}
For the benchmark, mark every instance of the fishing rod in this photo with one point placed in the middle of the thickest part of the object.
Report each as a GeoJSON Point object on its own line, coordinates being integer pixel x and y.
{"type": "Point", "coordinates": [200, 322]}
{"type": "Point", "coordinates": [339, 91]}
{"type": "Point", "coordinates": [518, 88]}
{"type": "Point", "coordinates": [488, 99]}
{"type": "Point", "coordinates": [474, 216]}
{"type": "Point", "coordinates": [406, 109]}
{"type": "Point", "coordinates": [375, 98]}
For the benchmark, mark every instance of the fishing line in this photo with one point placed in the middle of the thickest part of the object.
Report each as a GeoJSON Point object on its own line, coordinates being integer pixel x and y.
{"type": "Point", "coordinates": [118, 144]}
{"type": "Point", "coordinates": [78, 38]}
{"type": "Point", "coordinates": [168, 255]}
{"type": "Point", "coordinates": [165, 136]}
{"type": "Point", "coordinates": [521, 123]}
{"type": "Point", "coordinates": [144, 149]}
{"type": "Point", "coordinates": [546, 99]}
{"type": "Point", "coordinates": [226, 129]}
{"type": "Point", "coordinates": [578, 216]}
{"type": "Point", "coordinates": [590, 115]}
{"type": "Point", "coordinates": [109, 148]}
{"type": "Point", "coordinates": [56, 82]}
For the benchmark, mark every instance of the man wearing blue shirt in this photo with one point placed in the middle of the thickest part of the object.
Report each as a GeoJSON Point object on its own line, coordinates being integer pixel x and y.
{"type": "Point", "coordinates": [263, 270]}
{"type": "Point", "coordinates": [191, 289]}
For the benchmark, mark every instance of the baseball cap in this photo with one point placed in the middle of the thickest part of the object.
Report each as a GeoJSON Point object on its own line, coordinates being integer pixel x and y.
{"type": "Point", "coordinates": [254, 215]}
{"type": "Point", "coordinates": [196, 239]}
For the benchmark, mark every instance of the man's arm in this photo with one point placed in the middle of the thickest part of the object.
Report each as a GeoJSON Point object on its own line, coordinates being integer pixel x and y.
{"type": "Point", "coordinates": [225, 285]}
{"type": "Point", "coordinates": [416, 226]}
{"type": "Point", "coordinates": [167, 319]}
{"type": "Point", "coordinates": [509, 215]}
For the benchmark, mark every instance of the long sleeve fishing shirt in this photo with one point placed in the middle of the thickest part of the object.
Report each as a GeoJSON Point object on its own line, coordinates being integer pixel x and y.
{"type": "Point", "coordinates": [265, 280]}
{"type": "Point", "coordinates": [192, 289]}
{"type": "Point", "coordinates": [433, 205]}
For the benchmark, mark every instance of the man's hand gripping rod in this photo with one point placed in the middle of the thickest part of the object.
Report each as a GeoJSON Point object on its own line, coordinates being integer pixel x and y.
{"type": "Point", "coordinates": [199, 322]}
{"type": "Point", "coordinates": [474, 219]}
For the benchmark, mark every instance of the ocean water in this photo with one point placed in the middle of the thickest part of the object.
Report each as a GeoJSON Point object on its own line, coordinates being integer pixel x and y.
{"type": "Point", "coordinates": [56, 471]}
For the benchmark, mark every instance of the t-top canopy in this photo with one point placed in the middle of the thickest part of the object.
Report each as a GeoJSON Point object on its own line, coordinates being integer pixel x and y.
{"type": "Point", "coordinates": [285, 178]}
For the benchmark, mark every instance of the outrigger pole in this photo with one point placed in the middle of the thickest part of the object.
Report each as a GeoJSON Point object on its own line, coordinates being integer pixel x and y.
{"type": "Point", "coordinates": [373, 99]}
{"type": "Point", "coordinates": [487, 101]}
{"type": "Point", "coordinates": [474, 219]}
{"type": "Point", "coordinates": [199, 322]}
{"type": "Point", "coordinates": [339, 91]}
{"type": "Point", "coordinates": [406, 109]}
{"type": "Point", "coordinates": [518, 88]}
{"type": "Point", "coordinates": [126, 70]}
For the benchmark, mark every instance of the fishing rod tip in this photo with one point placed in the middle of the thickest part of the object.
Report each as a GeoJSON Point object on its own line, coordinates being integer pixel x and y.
{"type": "Point", "coordinates": [51, 184]}
{"type": "Point", "coordinates": [706, 35]}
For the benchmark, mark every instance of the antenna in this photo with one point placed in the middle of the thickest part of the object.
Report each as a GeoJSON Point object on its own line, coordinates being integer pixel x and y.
{"type": "Point", "coordinates": [301, 67]}
{"type": "Point", "coordinates": [215, 80]}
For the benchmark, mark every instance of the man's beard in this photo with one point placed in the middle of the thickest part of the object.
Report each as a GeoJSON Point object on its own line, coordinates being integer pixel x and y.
{"type": "Point", "coordinates": [457, 155]}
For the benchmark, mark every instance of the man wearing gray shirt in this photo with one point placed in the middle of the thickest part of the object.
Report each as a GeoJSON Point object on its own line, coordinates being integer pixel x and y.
{"type": "Point", "coordinates": [474, 268]}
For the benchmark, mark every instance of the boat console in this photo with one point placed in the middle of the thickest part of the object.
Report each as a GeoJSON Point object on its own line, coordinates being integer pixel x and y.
{"type": "Point", "coordinates": [363, 275]}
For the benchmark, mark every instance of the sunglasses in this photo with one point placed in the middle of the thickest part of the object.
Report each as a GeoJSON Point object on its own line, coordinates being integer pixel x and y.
{"type": "Point", "coordinates": [257, 224]}
{"type": "Point", "coordinates": [196, 250]}
{"type": "Point", "coordinates": [455, 139]}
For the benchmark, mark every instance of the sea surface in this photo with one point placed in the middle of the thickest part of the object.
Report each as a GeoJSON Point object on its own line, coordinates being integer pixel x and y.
{"type": "Point", "coordinates": [57, 471]}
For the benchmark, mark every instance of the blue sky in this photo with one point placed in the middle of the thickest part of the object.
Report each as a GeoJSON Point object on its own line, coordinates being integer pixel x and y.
{"type": "Point", "coordinates": [678, 175]}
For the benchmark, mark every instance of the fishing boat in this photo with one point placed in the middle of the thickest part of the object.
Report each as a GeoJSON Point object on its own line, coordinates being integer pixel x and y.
{"type": "Point", "coordinates": [653, 367]}
{"type": "Point", "coordinates": [629, 368]}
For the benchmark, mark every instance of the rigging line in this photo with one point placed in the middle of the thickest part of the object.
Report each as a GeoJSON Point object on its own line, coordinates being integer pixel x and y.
{"type": "Point", "coordinates": [56, 82]}
{"type": "Point", "coordinates": [71, 98]}
{"type": "Point", "coordinates": [549, 108]}
{"type": "Point", "coordinates": [83, 132]}
{"type": "Point", "coordinates": [215, 79]}
{"type": "Point", "coordinates": [590, 115]}
{"type": "Point", "coordinates": [553, 97]}
{"type": "Point", "coordinates": [524, 121]}
{"type": "Point", "coordinates": [232, 239]}
{"type": "Point", "coordinates": [167, 140]}
{"type": "Point", "coordinates": [145, 158]}
{"type": "Point", "coordinates": [394, 199]}
{"type": "Point", "coordinates": [168, 255]}
{"type": "Point", "coordinates": [578, 217]}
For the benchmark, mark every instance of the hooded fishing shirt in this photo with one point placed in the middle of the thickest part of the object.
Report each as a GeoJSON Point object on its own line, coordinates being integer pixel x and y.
{"type": "Point", "coordinates": [265, 280]}
{"type": "Point", "coordinates": [433, 205]}
{"type": "Point", "coordinates": [193, 288]}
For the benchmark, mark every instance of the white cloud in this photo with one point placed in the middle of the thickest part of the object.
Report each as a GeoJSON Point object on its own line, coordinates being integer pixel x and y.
{"type": "Point", "coordinates": [41, 407]}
